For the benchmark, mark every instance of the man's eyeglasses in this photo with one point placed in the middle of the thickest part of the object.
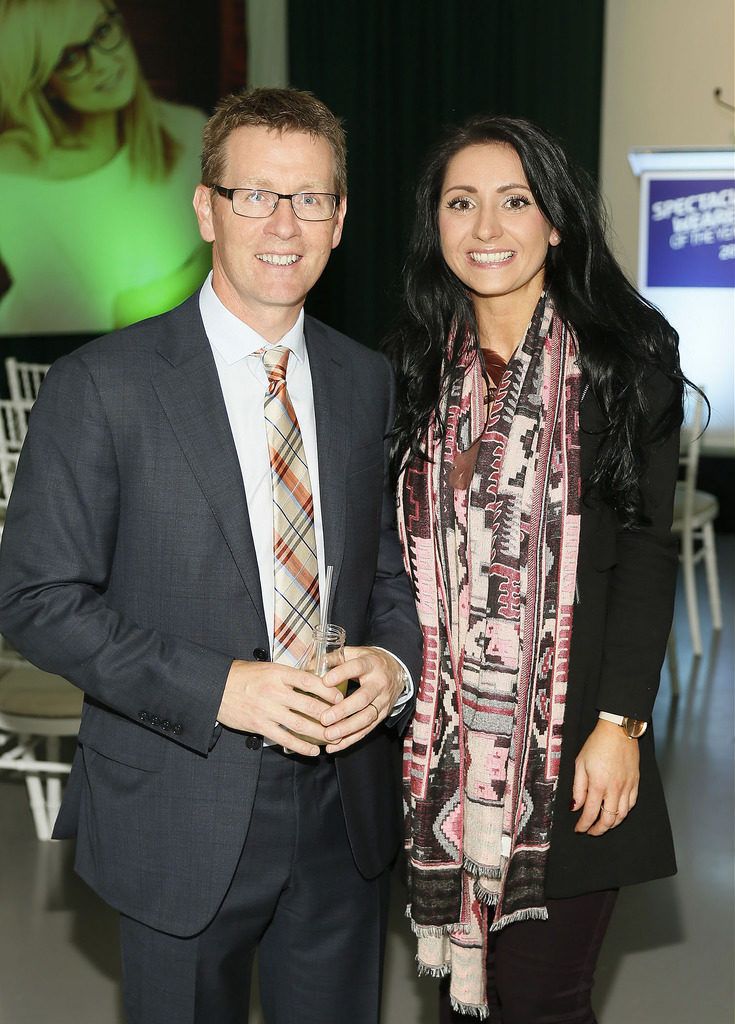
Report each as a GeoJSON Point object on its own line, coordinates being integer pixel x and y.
{"type": "Point", "coordinates": [259, 202]}
{"type": "Point", "coordinates": [75, 61]}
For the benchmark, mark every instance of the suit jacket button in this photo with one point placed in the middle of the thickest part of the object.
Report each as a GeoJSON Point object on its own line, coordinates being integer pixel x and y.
{"type": "Point", "coordinates": [177, 729]}
{"type": "Point", "coordinates": [143, 716]}
{"type": "Point", "coordinates": [256, 742]}
{"type": "Point", "coordinates": [165, 725]}
{"type": "Point", "coordinates": [155, 720]}
{"type": "Point", "coordinates": [260, 654]}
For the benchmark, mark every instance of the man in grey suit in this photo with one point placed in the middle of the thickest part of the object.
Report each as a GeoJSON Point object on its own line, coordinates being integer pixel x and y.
{"type": "Point", "coordinates": [138, 562]}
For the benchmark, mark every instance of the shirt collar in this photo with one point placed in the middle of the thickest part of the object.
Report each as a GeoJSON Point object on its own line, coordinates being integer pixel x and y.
{"type": "Point", "coordinates": [233, 338]}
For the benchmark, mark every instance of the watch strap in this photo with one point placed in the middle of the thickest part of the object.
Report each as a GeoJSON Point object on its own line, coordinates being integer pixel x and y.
{"type": "Point", "coordinates": [615, 719]}
{"type": "Point", "coordinates": [632, 727]}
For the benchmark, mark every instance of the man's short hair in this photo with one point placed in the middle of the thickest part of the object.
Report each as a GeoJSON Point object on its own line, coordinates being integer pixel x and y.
{"type": "Point", "coordinates": [281, 110]}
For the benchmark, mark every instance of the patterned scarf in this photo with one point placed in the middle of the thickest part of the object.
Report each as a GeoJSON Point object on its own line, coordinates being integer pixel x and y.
{"type": "Point", "coordinates": [493, 571]}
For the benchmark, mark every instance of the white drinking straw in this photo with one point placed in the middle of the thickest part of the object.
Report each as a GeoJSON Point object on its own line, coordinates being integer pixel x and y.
{"type": "Point", "coordinates": [324, 603]}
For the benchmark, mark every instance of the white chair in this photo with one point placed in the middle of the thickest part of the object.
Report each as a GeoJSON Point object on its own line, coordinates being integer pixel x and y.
{"type": "Point", "coordinates": [694, 513]}
{"type": "Point", "coordinates": [24, 379]}
{"type": "Point", "coordinates": [36, 709]}
{"type": "Point", "coordinates": [8, 464]}
{"type": "Point", "coordinates": [14, 415]}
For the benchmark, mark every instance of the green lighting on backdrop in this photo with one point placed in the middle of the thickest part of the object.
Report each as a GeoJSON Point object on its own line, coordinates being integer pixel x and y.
{"type": "Point", "coordinates": [97, 175]}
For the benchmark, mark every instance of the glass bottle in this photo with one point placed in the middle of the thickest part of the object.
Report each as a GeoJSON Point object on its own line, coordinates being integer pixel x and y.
{"type": "Point", "coordinates": [327, 649]}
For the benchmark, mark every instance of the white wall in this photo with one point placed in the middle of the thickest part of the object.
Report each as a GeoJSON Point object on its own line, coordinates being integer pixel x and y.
{"type": "Point", "coordinates": [663, 58]}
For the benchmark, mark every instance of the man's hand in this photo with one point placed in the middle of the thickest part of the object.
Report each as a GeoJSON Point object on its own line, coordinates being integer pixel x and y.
{"type": "Point", "coordinates": [605, 779]}
{"type": "Point", "coordinates": [267, 699]}
{"type": "Point", "coordinates": [381, 684]}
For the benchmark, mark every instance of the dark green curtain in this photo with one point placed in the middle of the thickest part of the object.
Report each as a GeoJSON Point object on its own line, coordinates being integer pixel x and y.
{"type": "Point", "coordinates": [397, 71]}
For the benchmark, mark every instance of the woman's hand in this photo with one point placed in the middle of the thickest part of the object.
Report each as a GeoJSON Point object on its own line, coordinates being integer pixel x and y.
{"type": "Point", "coordinates": [606, 775]}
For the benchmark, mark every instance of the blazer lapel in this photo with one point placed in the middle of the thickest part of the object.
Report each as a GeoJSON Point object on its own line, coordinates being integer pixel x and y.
{"type": "Point", "coordinates": [189, 390]}
{"type": "Point", "coordinates": [331, 380]}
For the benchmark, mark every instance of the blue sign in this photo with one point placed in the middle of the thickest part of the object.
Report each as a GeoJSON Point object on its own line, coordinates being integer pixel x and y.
{"type": "Point", "coordinates": [691, 233]}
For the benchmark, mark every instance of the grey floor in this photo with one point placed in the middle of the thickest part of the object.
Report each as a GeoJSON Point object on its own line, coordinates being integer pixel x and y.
{"type": "Point", "coordinates": [668, 957]}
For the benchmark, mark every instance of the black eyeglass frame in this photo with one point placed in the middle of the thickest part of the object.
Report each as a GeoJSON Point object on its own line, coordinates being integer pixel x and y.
{"type": "Point", "coordinates": [114, 16]}
{"type": "Point", "coordinates": [229, 193]}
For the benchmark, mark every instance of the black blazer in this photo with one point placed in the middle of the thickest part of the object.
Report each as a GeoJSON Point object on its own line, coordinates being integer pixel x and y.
{"type": "Point", "coordinates": [625, 596]}
{"type": "Point", "coordinates": [128, 566]}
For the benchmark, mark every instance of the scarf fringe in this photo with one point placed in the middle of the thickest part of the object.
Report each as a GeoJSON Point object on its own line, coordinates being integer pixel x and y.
{"type": "Point", "coordinates": [480, 870]}
{"type": "Point", "coordinates": [529, 914]}
{"type": "Point", "coordinates": [470, 1009]}
{"type": "Point", "coordinates": [435, 931]}
{"type": "Point", "coordinates": [438, 931]}
{"type": "Point", "coordinates": [490, 899]}
{"type": "Point", "coordinates": [425, 970]}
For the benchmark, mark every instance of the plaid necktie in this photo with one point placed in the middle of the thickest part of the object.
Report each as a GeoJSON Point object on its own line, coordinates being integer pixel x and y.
{"type": "Point", "coordinates": [296, 573]}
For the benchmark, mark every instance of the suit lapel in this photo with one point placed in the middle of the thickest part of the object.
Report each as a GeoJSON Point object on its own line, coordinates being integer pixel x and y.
{"type": "Point", "coordinates": [189, 390]}
{"type": "Point", "coordinates": [331, 381]}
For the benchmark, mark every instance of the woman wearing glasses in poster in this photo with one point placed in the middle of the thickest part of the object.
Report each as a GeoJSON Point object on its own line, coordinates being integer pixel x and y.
{"type": "Point", "coordinates": [536, 447]}
{"type": "Point", "coordinates": [97, 174]}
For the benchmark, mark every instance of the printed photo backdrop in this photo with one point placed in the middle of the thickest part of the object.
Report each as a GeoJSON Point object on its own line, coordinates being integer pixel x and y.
{"type": "Point", "coordinates": [99, 160]}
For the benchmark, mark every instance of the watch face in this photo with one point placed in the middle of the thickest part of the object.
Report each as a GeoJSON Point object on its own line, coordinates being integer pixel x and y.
{"type": "Point", "coordinates": [634, 728]}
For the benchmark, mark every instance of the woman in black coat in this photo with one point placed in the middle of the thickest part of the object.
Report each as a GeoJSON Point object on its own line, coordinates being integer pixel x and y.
{"type": "Point", "coordinates": [535, 451]}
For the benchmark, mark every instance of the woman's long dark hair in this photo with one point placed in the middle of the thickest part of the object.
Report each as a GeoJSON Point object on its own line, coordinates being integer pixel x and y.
{"type": "Point", "coordinates": [622, 337]}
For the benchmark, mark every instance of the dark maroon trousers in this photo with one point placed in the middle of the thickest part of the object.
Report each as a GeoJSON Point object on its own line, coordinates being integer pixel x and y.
{"type": "Point", "coordinates": [542, 972]}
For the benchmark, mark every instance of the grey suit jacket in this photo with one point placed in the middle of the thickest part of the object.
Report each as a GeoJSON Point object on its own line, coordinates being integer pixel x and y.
{"type": "Point", "coordinates": [128, 566]}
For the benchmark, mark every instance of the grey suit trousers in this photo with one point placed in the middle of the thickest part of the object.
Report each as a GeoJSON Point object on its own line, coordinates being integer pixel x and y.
{"type": "Point", "coordinates": [297, 896]}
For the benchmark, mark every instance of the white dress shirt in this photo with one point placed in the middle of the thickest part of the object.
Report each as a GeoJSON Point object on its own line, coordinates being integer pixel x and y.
{"type": "Point", "coordinates": [244, 382]}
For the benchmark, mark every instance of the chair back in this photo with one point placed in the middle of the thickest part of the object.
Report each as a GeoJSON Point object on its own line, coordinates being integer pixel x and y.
{"type": "Point", "coordinates": [689, 457]}
{"type": "Point", "coordinates": [24, 379]}
{"type": "Point", "coordinates": [8, 465]}
{"type": "Point", "coordinates": [13, 423]}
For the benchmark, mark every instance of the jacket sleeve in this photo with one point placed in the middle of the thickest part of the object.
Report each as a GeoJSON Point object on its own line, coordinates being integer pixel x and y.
{"type": "Point", "coordinates": [393, 623]}
{"type": "Point", "coordinates": [56, 558]}
{"type": "Point", "coordinates": [642, 587]}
